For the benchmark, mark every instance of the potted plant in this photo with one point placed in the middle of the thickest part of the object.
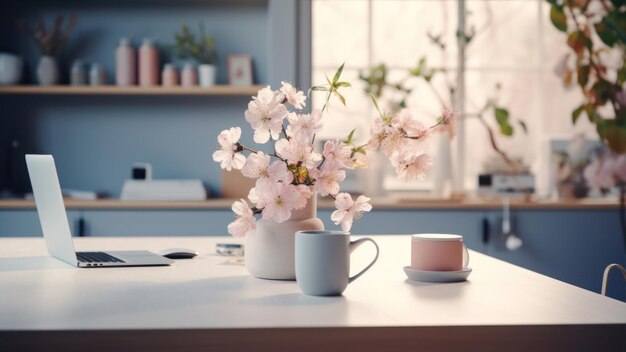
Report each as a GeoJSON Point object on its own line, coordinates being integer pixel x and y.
{"type": "Point", "coordinates": [595, 32]}
{"type": "Point", "coordinates": [49, 44]}
{"type": "Point", "coordinates": [200, 48]}
{"type": "Point", "coordinates": [289, 177]}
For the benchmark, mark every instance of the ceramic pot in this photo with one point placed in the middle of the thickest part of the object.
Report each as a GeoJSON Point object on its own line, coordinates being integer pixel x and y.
{"type": "Point", "coordinates": [47, 71]}
{"type": "Point", "coordinates": [270, 251]}
{"type": "Point", "coordinates": [207, 75]}
{"type": "Point", "coordinates": [10, 69]}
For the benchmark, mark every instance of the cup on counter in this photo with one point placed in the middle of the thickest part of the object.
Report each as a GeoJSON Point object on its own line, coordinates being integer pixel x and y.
{"type": "Point", "coordinates": [438, 252]}
{"type": "Point", "coordinates": [323, 261]}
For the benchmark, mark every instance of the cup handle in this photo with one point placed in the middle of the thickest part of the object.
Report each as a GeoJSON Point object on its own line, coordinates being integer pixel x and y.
{"type": "Point", "coordinates": [353, 246]}
{"type": "Point", "coordinates": [466, 257]}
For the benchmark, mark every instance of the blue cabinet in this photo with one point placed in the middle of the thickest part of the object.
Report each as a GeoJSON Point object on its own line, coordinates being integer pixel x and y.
{"type": "Point", "coordinates": [25, 223]}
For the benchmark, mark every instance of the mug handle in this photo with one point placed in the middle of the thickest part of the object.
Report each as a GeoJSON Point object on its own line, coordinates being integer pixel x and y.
{"type": "Point", "coordinates": [466, 257]}
{"type": "Point", "coordinates": [353, 246]}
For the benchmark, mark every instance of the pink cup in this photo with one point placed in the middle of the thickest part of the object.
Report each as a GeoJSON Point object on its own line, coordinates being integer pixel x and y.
{"type": "Point", "coordinates": [437, 252]}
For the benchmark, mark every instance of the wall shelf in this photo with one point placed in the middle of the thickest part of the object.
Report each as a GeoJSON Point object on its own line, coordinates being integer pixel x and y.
{"type": "Point", "coordinates": [218, 90]}
{"type": "Point", "coordinates": [385, 203]}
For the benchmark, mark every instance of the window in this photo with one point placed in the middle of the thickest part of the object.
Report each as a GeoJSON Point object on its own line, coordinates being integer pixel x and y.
{"type": "Point", "coordinates": [515, 46]}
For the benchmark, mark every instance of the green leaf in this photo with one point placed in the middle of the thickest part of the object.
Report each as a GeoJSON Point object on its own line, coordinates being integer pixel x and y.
{"type": "Point", "coordinates": [615, 136]}
{"type": "Point", "coordinates": [341, 98]}
{"type": "Point", "coordinates": [318, 88]}
{"type": "Point", "coordinates": [421, 67]}
{"type": "Point", "coordinates": [502, 117]}
{"type": "Point", "coordinates": [558, 18]}
{"type": "Point", "coordinates": [343, 84]}
{"type": "Point", "coordinates": [583, 75]}
{"type": "Point", "coordinates": [578, 41]}
{"type": "Point", "coordinates": [338, 74]}
{"type": "Point", "coordinates": [350, 136]}
{"type": "Point", "coordinates": [606, 35]}
{"type": "Point", "coordinates": [576, 113]}
{"type": "Point", "coordinates": [602, 90]}
{"type": "Point", "coordinates": [376, 105]}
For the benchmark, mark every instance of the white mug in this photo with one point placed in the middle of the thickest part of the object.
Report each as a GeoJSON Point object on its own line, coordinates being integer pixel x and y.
{"type": "Point", "coordinates": [323, 261]}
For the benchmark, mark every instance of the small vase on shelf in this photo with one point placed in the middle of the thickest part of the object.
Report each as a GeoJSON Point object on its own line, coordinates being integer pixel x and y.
{"type": "Point", "coordinates": [207, 75]}
{"type": "Point", "coordinates": [188, 76]}
{"type": "Point", "coordinates": [270, 251]}
{"type": "Point", "coordinates": [47, 71]}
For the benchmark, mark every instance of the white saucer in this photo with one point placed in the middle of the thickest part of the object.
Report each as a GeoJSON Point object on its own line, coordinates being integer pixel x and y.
{"type": "Point", "coordinates": [437, 276]}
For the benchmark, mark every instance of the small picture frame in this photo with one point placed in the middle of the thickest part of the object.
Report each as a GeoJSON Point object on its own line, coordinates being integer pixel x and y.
{"type": "Point", "coordinates": [240, 70]}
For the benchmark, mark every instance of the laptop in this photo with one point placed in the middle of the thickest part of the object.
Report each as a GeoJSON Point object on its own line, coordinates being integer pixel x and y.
{"type": "Point", "coordinates": [56, 229]}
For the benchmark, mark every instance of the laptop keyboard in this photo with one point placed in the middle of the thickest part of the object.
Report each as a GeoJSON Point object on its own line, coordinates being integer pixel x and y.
{"type": "Point", "coordinates": [96, 257]}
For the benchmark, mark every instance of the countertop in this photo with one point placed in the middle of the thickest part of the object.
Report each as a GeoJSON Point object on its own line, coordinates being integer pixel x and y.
{"type": "Point", "coordinates": [214, 303]}
{"type": "Point", "coordinates": [393, 202]}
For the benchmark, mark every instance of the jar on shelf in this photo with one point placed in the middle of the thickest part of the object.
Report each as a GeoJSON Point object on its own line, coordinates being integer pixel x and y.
{"type": "Point", "coordinates": [169, 77]}
{"type": "Point", "coordinates": [78, 74]}
{"type": "Point", "coordinates": [97, 75]}
{"type": "Point", "coordinates": [189, 76]}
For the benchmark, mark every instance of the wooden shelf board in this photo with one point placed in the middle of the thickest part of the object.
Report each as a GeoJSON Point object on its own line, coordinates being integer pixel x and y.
{"type": "Point", "coordinates": [219, 90]}
{"type": "Point", "coordinates": [378, 204]}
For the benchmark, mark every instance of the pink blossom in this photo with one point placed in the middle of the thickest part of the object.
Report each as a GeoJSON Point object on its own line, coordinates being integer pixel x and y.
{"type": "Point", "coordinates": [327, 179]}
{"type": "Point", "coordinates": [447, 122]}
{"type": "Point", "coordinates": [349, 210]}
{"type": "Point", "coordinates": [412, 128]}
{"type": "Point", "coordinates": [227, 154]}
{"type": "Point", "coordinates": [359, 161]}
{"type": "Point", "coordinates": [380, 131]}
{"type": "Point", "coordinates": [395, 143]}
{"type": "Point", "coordinates": [413, 167]}
{"type": "Point", "coordinates": [244, 223]}
{"type": "Point", "coordinates": [600, 173]}
{"type": "Point", "coordinates": [266, 114]}
{"type": "Point", "coordinates": [304, 126]}
{"type": "Point", "coordinates": [258, 166]}
{"type": "Point", "coordinates": [294, 97]}
{"type": "Point", "coordinates": [279, 200]}
{"type": "Point", "coordinates": [295, 152]}
{"type": "Point", "coordinates": [305, 193]}
{"type": "Point", "coordinates": [338, 151]}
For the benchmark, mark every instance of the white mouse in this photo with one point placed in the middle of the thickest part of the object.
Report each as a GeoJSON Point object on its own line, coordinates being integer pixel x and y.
{"type": "Point", "coordinates": [178, 253]}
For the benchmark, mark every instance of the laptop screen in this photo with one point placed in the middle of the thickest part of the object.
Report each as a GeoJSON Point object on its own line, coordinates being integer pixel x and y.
{"type": "Point", "coordinates": [50, 207]}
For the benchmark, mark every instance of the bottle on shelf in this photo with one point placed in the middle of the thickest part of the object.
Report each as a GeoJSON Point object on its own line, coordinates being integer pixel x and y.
{"type": "Point", "coordinates": [169, 77]}
{"type": "Point", "coordinates": [97, 75]}
{"type": "Point", "coordinates": [125, 64]}
{"type": "Point", "coordinates": [189, 77]}
{"type": "Point", "coordinates": [78, 74]}
{"type": "Point", "coordinates": [148, 63]}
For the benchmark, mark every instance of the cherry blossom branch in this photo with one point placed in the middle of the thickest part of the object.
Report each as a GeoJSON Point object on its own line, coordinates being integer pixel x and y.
{"type": "Point", "coordinates": [241, 147]}
{"type": "Point", "coordinates": [495, 146]}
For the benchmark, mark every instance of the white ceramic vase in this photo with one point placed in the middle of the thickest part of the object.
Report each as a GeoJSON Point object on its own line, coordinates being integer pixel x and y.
{"type": "Point", "coordinates": [47, 71]}
{"type": "Point", "coordinates": [443, 174]}
{"type": "Point", "coordinates": [270, 251]}
{"type": "Point", "coordinates": [207, 75]}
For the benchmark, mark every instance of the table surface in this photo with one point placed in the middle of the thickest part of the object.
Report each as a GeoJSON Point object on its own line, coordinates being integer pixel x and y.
{"type": "Point", "coordinates": [38, 292]}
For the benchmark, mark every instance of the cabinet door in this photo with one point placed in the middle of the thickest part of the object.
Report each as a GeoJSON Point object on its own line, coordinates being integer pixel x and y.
{"type": "Point", "coordinates": [156, 222]}
{"type": "Point", "coordinates": [573, 246]}
{"type": "Point", "coordinates": [25, 223]}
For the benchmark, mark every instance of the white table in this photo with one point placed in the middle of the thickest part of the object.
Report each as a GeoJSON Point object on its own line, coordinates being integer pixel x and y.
{"type": "Point", "coordinates": [209, 304]}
